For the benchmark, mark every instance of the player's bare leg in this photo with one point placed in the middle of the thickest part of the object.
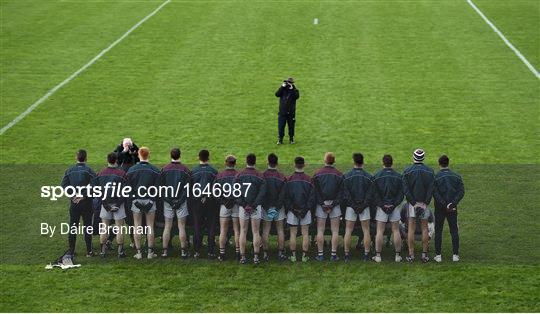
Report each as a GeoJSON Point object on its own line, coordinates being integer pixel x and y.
{"type": "Point", "coordinates": [137, 223]}
{"type": "Point", "coordinates": [410, 237]}
{"type": "Point", "coordinates": [425, 239]}
{"type": "Point", "coordinates": [104, 236]}
{"type": "Point", "coordinates": [183, 237]}
{"type": "Point", "coordinates": [120, 237]}
{"type": "Point", "coordinates": [151, 236]}
{"type": "Point", "coordinates": [305, 243]}
{"type": "Point", "coordinates": [334, 227]}
{"type": "Point", "coordinates": [367, 238]}
{"type": "Point", "coordinates": [321, 224]}
{"type": "Point", "coordinates": [280, 228]}
{"type": "Point", "coordinates": [379, 240]}
{"type": "Point", "coordinates": [267, 225]}
{"type": "Point", "coordinates": [236, 231]}
{"type": "Point", "coordinates": [349, 228]}
{"type": "Point", "coordinates": [223, 233]}
{"type": "Point", "coordinates": [292, 242]}
{"type": "Point", "coordinates": [255, 229]}
{"type": "Point", "coordinates": [397, 240]}
{"type": "Point", "coordinates": [244, 226]}
{"type": "Point", "coordinates": [166, 237]}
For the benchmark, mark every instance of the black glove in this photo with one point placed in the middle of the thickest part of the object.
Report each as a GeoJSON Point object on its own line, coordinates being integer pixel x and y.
{"type": "Point", "coordinates": [228, 203]}
{"type": "Point", "coordinates": [451, 207]}
{"type": "Point", "coordinates": [303, 213]}
{"type": "Point", "coordinates": [359, 207]}
{"type": "Point", "coordinates": [144, 207]}
{"type": "Point", "coordinates": [388, 208]}
{"type": "Point", "coordinates": [297, 212]}
{"type": "Point", "coordinates": [175, 204]}
{"type": "Point", "coordinates": [248, 209]}
{"type": "Point", "coordinates": [418, 211]}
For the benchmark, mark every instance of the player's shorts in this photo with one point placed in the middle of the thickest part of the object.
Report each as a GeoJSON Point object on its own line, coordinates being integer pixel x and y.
{"type": "Point", "coordinates": [335, 212]}
{"type": "Point", "coordinates": [411, 213]}
{"type": "Point", "coordinates": [281, 215]}
{"type": "Point", "coordinates": [181, 212]}
{"type": "Point", "coordinates": [255, 214]}
{"type": "Point", "coordinates": [137, 210]}
{"type": "Point", "coordinates": [225, 212]}
{"type": "Point", "coordinates": [117, 215]}
{"type": "Point", "coordinates": [394, 216]}
{"type": "Point", "coordinates": [351, 215]}
{"type": "Point", "coordinates": [293, 220]}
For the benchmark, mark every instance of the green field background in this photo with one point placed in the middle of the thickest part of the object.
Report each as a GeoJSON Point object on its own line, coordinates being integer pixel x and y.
{"type": "Point", "coordinates": [375, 76]}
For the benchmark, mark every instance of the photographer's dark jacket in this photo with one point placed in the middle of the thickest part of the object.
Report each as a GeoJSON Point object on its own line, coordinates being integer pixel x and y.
{"type": "Point", "coordinates": [448, 188]}
{"type": "Point", "coordinates": [299, 193]}
{"type": "Point", "coordinates": [177, 176]}
{"type": "Point", "coordinates": [328, 183]}
{"type": "Point", "coordinates": [204, 174]}
{"type": "Point", "coordinates": [275, 181]}
{"type": "Point", "coordinates": [357, 189]}
{"type": "Point", "coordinates": [110, 175]}
{"type": "Point", "coordinates": [127, 159]}
{"type": "Point", "coordinates": [143, 174]}
{"type": "Point", "coordinates": [287, 100]}
{"type": "Point", "coordinates": [254, 196]}
{"type": "Point", "coordinates": [78, 175]}
{"type": "Point", "coordinates": [226, 177]}
{"type": "Point", "coordinates": [387, 187]}
{"type": "Point", "coordinates": [418, 183]}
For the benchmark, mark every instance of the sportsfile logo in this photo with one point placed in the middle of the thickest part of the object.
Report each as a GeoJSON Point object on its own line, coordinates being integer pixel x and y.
{"type": "Point", "coordinates": [119, 190]}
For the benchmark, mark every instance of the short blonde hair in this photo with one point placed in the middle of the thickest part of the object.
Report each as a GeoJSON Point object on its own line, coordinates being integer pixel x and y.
{"type": "Point", "coordinates": [329, 158]}
{"type": "Point", "coordinates": [144, 152]}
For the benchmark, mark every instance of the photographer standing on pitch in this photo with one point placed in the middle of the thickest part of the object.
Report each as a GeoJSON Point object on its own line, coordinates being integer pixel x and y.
{"type": "Point", "coordinates": [128, 154]}
{"type": "Point", "coordinates": [288, 94]}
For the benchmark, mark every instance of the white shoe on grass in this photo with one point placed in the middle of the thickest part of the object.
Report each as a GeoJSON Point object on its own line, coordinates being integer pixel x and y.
{"type": "Point", "coordinates": [438, 258]}
{"type": "Point", "coordinates": [455, 258]}
{"type": "Point", "coordinates": [151, 255]}
{"type": "Point", "coordinates": [398, 259]}
{"type": "Point", "coordinates": [138, 255]}
{"type": "Point", "coordinates": [377, 259]}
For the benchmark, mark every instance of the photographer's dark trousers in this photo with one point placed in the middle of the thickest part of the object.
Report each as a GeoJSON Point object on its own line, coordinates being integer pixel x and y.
{"type": "Point", "coordinates": [204, 215]}
{"type": "Point", "coordinates": [440, 216]}
{"type": "Point", "coordinates": [76, 211]}
{"type": "Point", "coordinates": [283, 120]}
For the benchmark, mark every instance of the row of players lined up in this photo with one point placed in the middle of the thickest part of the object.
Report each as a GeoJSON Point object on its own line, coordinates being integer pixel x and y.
{"type": "Point", "coordinates": [273, 197]}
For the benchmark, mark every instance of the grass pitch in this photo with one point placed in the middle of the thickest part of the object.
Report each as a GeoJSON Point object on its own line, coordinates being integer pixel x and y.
{"type": "Point", "coordinates": [374, 76]}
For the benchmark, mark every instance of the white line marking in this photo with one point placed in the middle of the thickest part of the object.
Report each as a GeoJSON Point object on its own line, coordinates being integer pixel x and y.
{"type": "Point", "coordinates": [508, 43]}
{"type": "Point", "coordinates": [315, 21]}
{"type": "Point", "coordinates": [79, 71]}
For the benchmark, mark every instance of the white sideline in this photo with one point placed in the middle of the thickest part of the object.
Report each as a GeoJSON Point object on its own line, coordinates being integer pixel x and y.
{"type": "Point", "coordinates": [79, 71]}
{"type": "Point", "coordinates": [508, 43]}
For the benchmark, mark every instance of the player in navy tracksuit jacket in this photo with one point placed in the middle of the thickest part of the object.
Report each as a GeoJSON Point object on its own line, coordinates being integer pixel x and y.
{"type": "Point", "coordinates": [204, 208]}
{"type": "Point", "coordinates": [250, 206]}
{"type": "Point", "coordinates": [112, 206]}
{"type": "Point", "coordinates": [418, 184]}
{"type": "Point", "coordinates": [357, 198]}
{"type": "Point", "coordinates": [228, 209]}
{"type": "Point", "coordinates": [175, 176]}
{"type": "Point", "coordinates": [142, 178]}
{"type": "Point", "coordinates": [272, 209]}
{"type": "Point", "coordinates": [328, 183]}
{"type": "Point", "coordinates": [299, 200]}
{"type": "Point", "coordinates": [80, 206]}
{"type": "Point", "coordinates": [449, 191]}
{"type": "Point", "coordinates": [388, 195]}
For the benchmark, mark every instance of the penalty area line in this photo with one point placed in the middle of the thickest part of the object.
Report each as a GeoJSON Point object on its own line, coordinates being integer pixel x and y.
{"type": "Point", "coordinates": [506, 41]}
{"type": "Point", "coordinates": [79, 71]}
